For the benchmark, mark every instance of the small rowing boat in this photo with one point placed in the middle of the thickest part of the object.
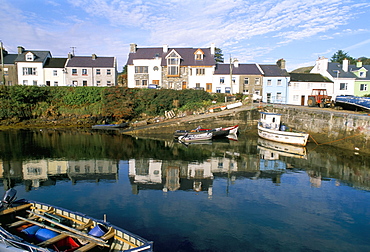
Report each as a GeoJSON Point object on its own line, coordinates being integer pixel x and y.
{"type": "Point", "coordinates": [28, 225]}
{"type": "Point", "coordinates": [195, 137]}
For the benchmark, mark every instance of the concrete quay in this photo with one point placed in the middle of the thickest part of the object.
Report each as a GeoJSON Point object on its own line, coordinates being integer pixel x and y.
{"type": "Point", "coordinates": [326, 126]}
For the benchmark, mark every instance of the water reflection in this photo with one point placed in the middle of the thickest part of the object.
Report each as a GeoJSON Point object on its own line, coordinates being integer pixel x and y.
{"type": "Point", "coordinates": [39, 158]}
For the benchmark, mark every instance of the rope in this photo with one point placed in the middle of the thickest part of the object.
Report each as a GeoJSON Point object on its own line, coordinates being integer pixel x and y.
{"type": "Point", "coordinates": [334, 140]}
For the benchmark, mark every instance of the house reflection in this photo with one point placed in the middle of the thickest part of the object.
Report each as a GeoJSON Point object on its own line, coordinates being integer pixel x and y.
{"type": "Point", "coordinates": [44, 172]}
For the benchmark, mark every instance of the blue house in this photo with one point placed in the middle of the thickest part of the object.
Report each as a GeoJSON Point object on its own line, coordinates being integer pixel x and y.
{"type": "Point", "coordinates": [275, 83]}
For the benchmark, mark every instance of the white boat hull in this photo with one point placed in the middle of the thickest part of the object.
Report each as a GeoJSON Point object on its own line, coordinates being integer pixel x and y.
{"type": "Point", "coordinates": [287, 137]}
{"type": "Point", "coordinates": [195, 137]}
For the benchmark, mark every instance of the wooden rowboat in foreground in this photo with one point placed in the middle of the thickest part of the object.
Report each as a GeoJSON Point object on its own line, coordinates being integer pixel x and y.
{"type": "Point", "coordinates": [28, 225]}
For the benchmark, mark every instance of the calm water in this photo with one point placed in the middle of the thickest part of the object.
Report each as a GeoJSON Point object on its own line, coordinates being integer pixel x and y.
{"type": "Point", "coordinates": [245, 195]}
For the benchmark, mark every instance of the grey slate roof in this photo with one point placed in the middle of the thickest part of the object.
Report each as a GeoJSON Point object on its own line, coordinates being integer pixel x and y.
{"type": "Point", "coordinates": [308, 77]}
{"type": "Point", "coordinates": [335, 69]}
{"type": "Point", "coordinates": [55, 63]}
{"type": "Point", "coordinates": [40, 56]}
{"type": "Point", "coordinates": [10, 59]}
{"type": "Point", "coordinates": [242, 69]}
{"type": "Point", "coordinates": [187, 56]}
{"type": "Point", "coordinates": [86, 61]}
{"type": "Point", "coordinates": [273, 71]}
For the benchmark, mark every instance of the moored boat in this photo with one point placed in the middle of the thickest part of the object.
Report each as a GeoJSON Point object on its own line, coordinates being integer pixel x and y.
{"type": "Point", "coordinates": [271, 128]}
{"type": "Point", "coordinates": [109, 126]}
{"type": "Point", "coordinates": [216, 132]}
{"type": "Point", "coordinates": [195, 137]}
{"type": "Point", "coordinates": [28, 225]}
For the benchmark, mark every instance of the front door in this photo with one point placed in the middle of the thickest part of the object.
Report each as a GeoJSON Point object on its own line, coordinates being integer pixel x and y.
{"type": "Point", "coordinates": [302, 100]}
{"type": "Point", "coordinates": [184, 85]}
{"type": "Point", "coordinates": [268, 97]}
{"type": "Point", "coordinates": [209, 87]}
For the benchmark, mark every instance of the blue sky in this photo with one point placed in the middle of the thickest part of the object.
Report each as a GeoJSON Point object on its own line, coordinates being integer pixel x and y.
{"type": "Point", "coordinates": [259, 31]}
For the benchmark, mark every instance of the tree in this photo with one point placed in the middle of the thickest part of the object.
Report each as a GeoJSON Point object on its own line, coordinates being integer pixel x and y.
{"type": "Point", "coordinates": [219, 57]}
{"type": "Point", "coordinates": [340, 55]}
{"type": "Point", "coordinates": [364, 60]}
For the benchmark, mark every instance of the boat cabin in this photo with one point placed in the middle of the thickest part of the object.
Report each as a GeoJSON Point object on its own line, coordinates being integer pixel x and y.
{"type": "Point", "coordinates": [270, 120]}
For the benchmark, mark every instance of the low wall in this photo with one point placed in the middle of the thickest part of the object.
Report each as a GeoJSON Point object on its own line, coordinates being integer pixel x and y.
{"type": "Point", "coordinates": [327, 126]}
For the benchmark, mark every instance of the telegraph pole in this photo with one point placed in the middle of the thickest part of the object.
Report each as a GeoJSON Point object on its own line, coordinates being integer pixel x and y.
{"type": "Point", "coordinates": [2, 62]}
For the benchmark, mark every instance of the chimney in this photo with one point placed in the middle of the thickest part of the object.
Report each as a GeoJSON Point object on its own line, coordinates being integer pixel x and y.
{"type": "Point", "coordinates": [213, 48]}
{"type": "Point", "coordinates": [345, 65]}
{"type": "Point", "coordinates": [20, 49]}
{"type": "Point", "coordinates": [133, 48]}
{"type": "Point", "coordinates": [165, 48]}
{"type": "Point", "coordinates": [281, 63]}
{"type": "Point", "coordinates": [69, 55]}
{"type": "Point", "coordinates": [359, 63]}
{"type": "Point", "coordinates": [93, 56]}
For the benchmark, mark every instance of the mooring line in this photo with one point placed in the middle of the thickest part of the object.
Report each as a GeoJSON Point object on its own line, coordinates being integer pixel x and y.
{"type": "Point", "coordinates": [334, 140]}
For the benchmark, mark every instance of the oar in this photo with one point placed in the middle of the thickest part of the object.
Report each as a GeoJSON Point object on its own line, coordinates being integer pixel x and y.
{"type": "Point", "coordinates": [66, 227]}
{"type": "Point", "coordinates": [82, 236]}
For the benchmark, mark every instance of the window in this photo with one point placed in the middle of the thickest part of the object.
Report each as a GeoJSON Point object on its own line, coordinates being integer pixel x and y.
{"type": "Point", "coordinates": [246, 81]}
{"type": "Point", "coordinates": [29, 71]}
{"type": "Point", "coordinates": [25, 82]}
{"type": "Point", "coordinates": [155, 68]}
{"type": "Point", "coordinates": [199, 56]}
{"type": "Point", "coordinates": [137, 82]}
{"type": "Point", "coordinates": [29, 57]}
{"type": "Point", "coordinates": [363, 87]}
{"type": "Point", "coordinates": [218, 90]}
{"type": "Point", "coordinates": [362, 74]}
{"type": "Point", "coordinates": [55, 83]}
{"type": "Point", "coordinates": [144, 82]}
{"type": "Point", "coordinates": [75, 83]}
{"type": "Point", "coordinates": [200, 71]}
{"type": "Point", "coordinates": [98, 83]}
{"type": "Point", "coordinates": [84, 71]}
{"type": "Point", "coordinates": [257, 81]}
{"type": "Point", "coordinates": [55, 72]}
{"type": "Point", "coordinates": [343, 86]}
{"type": "Point", "coordinates": [35, 82]}
{"type": "Point", "coordinates": [173, 64]}
{"type": "Point", "coordinates": [278, 96]}
{"type": "Point", "coordinates": [295, 85]}
{"type": "Point", "coordinates": [5, 71]}
{"type": "Point", "coordinates": [197, 85]}
{"type": "Point", "coordinates": [268, 82]}
{"type": "Point", "coordinates": [109, 71]}
{"type": "Point", "coordinates": [222, 80]}
{"type": "Point", "coordinates": [97, 71]}
{"type": "Point", "coordinates": [141, 69]}
{"type": "Point", "coordinates": [227, 90]}
{"type": "Point", "coordinates": [74, 71]}
{"type": "Point", "coordinates": [279, 82]}
{"type": "Point", "coordinates": [295, 97]}
{"type": "Point", "coordinates": [109, 83]}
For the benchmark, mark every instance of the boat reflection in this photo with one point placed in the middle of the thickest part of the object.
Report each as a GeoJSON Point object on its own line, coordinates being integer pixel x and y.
{"type": "Point", "coordinates": [272, 150]}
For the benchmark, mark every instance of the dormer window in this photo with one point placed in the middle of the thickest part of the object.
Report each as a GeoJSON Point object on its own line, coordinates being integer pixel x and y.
{"type": "Point", "coordinates": [199, 54]}
{"type": "Point", "coordinates": [173, 64]}
{"type": "Point", "coordinates": [30, 56]}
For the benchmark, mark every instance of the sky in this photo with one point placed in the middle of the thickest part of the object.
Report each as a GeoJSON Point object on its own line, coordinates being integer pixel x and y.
{"type": "Point", "coordinates": [251, 31]}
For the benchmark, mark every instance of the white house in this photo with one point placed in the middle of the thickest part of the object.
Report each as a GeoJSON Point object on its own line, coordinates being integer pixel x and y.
{"type": "Point", "coordinates": [173, 68]}
{"type": "Point", "coordinates": [301, 85]}
{"type": "Point", "coordinates": [340, 74]}
{"type": "Point", "coordinates": [91, 71]}
{"type": "Point", "coordinates": [55, 72]}
{"type": "Point", "coordinates": [30, 66]}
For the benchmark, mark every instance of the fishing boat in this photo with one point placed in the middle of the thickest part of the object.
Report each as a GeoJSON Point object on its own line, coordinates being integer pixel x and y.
{"type": "Point", "coordinates": [271, 128]}
{"type": "Point", "coordinates": [28, 225]}
{"type": "Point", "coordinates": [187, 138]}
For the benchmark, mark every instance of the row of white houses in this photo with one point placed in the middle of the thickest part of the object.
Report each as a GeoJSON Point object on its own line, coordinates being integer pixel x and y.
{"type": "Point", "coordinates": [196, 68]}
{"type": "Point", "coordinates": [39, 68]}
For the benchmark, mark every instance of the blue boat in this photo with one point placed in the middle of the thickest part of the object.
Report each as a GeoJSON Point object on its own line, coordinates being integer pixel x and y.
{"type": "Point", "coordinates": [353, 102]}
{"type": "Point", "coordinates": [28, 225]}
